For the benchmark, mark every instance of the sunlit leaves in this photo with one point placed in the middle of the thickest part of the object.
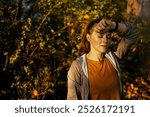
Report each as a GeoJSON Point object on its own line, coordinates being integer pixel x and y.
{"type": "Point", "coordinates": [139, 90]}
{"type": "Point", "coordinates": [39, 47]}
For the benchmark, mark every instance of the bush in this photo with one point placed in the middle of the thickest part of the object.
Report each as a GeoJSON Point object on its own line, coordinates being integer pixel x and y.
{"type": "Point", "coordinates": [40, 39]}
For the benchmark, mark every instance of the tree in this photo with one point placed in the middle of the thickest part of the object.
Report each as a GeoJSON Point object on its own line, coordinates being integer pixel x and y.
{"type": "Point", "coordinates": [39, 40]}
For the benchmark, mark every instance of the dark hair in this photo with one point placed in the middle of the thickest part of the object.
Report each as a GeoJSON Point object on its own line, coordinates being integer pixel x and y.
{"type": "Point", "coordinates": [85, 45]}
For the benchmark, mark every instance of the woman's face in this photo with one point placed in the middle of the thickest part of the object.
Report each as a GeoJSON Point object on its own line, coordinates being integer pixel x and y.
{"type": "Point", "coordinates": [99, 42]}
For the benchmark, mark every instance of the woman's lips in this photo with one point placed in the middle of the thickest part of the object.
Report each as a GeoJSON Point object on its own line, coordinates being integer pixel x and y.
{"type": "Point", "coordinates": [103, 45]}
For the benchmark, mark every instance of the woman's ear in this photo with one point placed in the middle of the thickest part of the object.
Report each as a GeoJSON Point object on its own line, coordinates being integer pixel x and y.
{"type": "Point", "coordinates": [88, 37]}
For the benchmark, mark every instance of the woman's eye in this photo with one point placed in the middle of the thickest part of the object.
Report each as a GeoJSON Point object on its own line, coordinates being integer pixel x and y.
{"type": "Point", "coordinates": [100, 36]}
{"type": "Point", "coordinates": [108, 36]}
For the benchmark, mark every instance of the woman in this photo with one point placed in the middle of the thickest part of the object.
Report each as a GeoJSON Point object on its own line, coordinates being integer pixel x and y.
{"type": "Point", "coordinates": [96, 75]}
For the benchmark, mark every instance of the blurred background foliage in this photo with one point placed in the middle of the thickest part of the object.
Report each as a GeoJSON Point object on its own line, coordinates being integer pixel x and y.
{"type": "Point", "coordinates": [40, 38]}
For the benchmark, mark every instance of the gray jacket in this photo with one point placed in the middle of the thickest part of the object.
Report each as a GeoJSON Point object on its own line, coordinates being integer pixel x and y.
{"type": "Point", "coordinates": [78, 85]}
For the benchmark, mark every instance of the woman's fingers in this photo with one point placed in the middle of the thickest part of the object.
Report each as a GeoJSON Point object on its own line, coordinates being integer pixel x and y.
{"type": "Point", "coordinates": [104, 25]}
{"type": "Point", "coordinates": [104, 22]}
{"type": "Point", "coordinates": [101, 26]}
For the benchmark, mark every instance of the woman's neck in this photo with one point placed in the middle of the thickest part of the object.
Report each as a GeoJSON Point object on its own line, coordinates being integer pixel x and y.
{"type": "Point", "coordinates": [95, 56]}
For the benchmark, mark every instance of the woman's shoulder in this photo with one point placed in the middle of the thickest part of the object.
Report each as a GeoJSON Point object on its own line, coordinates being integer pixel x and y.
{"type": "Point", "coordinates": [76, 63]}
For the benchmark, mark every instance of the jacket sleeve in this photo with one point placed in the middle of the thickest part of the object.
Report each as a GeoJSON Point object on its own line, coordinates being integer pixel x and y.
{"type": "Point", "coordinates": [128, 38]}
{"type": "Point", "coordinates": [73, 81]}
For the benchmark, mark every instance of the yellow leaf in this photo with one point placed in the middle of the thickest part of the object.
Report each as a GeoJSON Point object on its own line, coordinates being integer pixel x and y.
{"type": "Point", "coordinates": [134, 49]}
{"type": "Point", "coordinates": [86, 17]}
{"type": "Point", "coordinates": [35, 92]}
{"type": "Point", "coordinates": [132, 86]}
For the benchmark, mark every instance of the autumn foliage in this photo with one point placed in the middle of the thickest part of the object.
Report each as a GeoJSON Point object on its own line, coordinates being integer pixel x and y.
{"type": "Point", "coordinates": [40, 39]}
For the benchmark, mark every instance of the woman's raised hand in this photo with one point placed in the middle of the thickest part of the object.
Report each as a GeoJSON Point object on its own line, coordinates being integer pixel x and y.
{"type": "Point", "coordinates": [105, 25]}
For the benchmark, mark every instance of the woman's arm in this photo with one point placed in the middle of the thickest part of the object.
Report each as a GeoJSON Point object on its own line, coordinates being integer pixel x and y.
{"type": "Point", "coordinates": [129, 34]}
{"type": "Point", "coordinates": [127, 31]}
{"type": "Point", "coordinates": [73, 83]}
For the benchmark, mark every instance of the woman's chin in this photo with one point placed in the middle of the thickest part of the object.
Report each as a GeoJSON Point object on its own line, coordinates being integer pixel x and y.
{"type": "Point", "coordinates": [103, 49]}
